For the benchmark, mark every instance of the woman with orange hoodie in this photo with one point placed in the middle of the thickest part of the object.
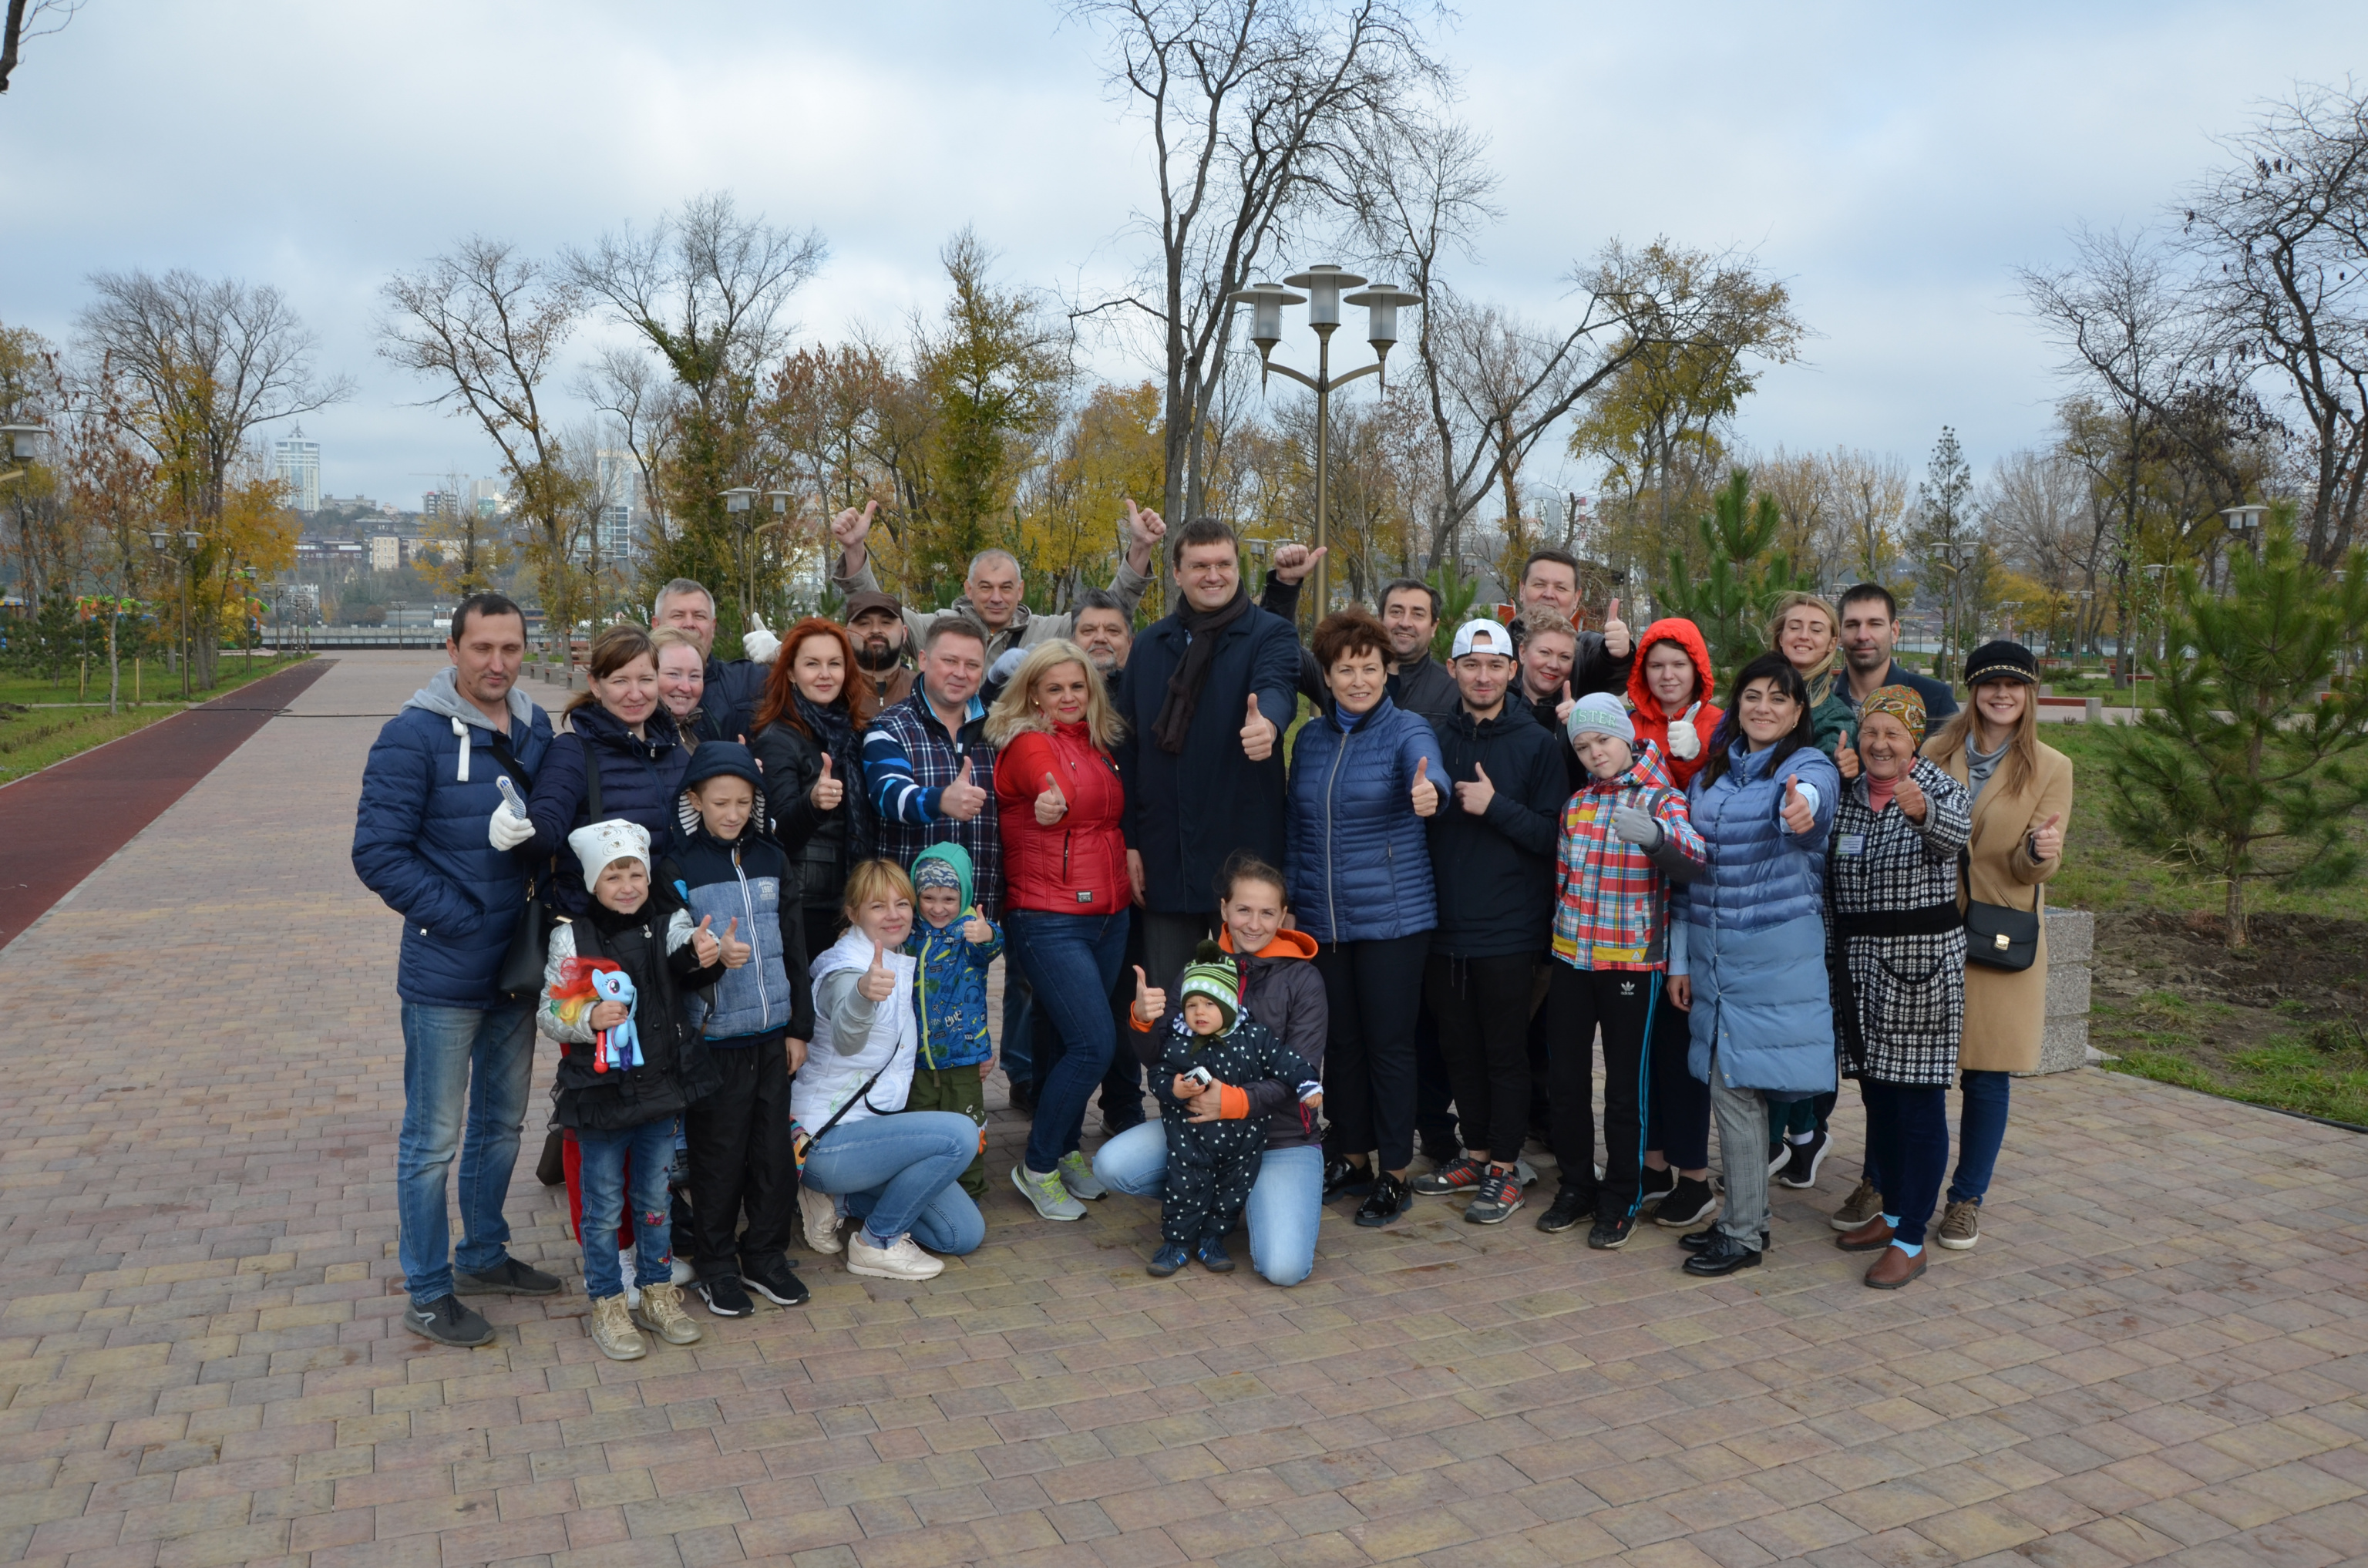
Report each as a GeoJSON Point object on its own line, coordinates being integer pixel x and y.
{"type": "Point", "coordinates": [1669, 687]}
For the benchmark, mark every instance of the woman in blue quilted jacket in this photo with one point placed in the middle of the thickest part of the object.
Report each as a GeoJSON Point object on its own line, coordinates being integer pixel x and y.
{"type": "Point", "coordinates": [620, 731]}
{"type": "Point", "coordinates": [1363, 776]}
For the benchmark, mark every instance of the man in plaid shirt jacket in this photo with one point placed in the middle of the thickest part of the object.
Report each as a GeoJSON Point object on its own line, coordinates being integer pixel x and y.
{"type": "Point", "coordinates": [926, 765]}
{"type": "Point", "coordinates": [1626, 834]}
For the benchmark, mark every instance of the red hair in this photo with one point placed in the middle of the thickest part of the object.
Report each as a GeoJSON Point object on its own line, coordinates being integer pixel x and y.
{"type": "Point", "coordinates": [780, 701]}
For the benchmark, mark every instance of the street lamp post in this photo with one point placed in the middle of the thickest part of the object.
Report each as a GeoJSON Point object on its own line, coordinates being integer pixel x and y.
{"type": "Point", "coordinates": [1324, 301]}
{"type": "Point", "coordinates": [20, 443]}
{"type": "Point", "coordinates": [191, 542]}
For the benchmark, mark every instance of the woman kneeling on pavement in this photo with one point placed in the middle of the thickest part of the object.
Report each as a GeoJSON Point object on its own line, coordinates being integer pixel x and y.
{"type": "Point", "coordinates": [2022, 796]}
{"type": "Point", "coordinates": [1897, 954]}
{"type": "Point", "coordinates": [1753, 933]}
{"type": "Point", "coordinates": [899, 1173]}
{"type": "Point", "coordinates": [1280, 989]}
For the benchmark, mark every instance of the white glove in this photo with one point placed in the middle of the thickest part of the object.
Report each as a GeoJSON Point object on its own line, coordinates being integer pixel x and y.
{"type": "Point", "coordinates": [1630, 826]}
{"type": "Point", "coordinates": [1004, 668]}
{"type": "Point", "coordinates": [1685, 742]}
{"type": "Point", "coordinates": [758, 643]}
{"type": "Point", "coordinates": [508, 830]}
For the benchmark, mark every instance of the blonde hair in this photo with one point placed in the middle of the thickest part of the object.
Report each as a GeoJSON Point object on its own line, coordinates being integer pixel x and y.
{"type": "Point", "coordinates": [666, 637]}
{"type": "Point", "coordinates": [881, 880]}
{"type": "Point", "coordinates": [1546, 623]}
{"type": "Point", "coordinates": [1014, 713]}
{"type": "Point", "coordinates": [1785, 604]}
{"type": "Point", "coordinates": [2021, 764]}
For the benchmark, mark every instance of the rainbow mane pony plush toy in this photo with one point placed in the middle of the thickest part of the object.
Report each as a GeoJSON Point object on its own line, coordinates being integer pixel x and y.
{"type": "Point", "coordinates": [583, 984]}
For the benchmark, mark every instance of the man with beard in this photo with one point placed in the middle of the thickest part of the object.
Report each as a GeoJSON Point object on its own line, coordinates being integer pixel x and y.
{"type": "Point", "coordinates": [875, 624]}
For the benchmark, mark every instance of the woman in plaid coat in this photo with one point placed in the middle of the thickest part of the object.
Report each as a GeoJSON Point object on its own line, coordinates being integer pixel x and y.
{"type": "Point", "coordinates": [1895, 949]}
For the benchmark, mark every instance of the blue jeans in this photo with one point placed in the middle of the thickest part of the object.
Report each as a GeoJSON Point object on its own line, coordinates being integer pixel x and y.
{"type": "Point", "coordinates": [1072, 962]}
{"type": "Point", "coordinates": [1019, 1030]}
{"type": "Point", "coordinates": [649, 1149]}
{"type": "Point", "coordinates": [1285, 1205]}
{"type": "Point", "coordinates": [1981, 1131]}
{"type": "Point", "coordinates": [899, 1175]}
{"type": "Point", "coordinates": [477, 1062]}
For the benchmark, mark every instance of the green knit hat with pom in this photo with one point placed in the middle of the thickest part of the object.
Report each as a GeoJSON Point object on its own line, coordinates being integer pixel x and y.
{"type": "Point", "coordinates": [1212, 975]}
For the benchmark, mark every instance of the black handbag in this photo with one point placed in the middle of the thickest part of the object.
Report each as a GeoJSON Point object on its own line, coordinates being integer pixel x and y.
{"type": "Point", "coordinates": [1998, 936]}
{"type": "Point", "coordinates": [530, 944]}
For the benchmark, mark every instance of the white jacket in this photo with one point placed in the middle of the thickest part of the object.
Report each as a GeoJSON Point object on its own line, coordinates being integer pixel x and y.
{"type": "Point", "coordinates": [886, 1033]}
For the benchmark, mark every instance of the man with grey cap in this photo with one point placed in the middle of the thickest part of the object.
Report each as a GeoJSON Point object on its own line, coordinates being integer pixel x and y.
{"type": "Point", "coordinates": [992, 588]}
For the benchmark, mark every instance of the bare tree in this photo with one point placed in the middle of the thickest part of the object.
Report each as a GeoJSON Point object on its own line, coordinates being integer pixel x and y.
{"type": "Point", "coordinates": [485, 325]}
{"type": "Point", "coordinates": [2281, 236]}
{"type": "Point", "coordinates": [645, 403]}
{"type": "Point", "coordinates": [29, 19]}
{"type": "Point", "coordinates": [1252, 106]}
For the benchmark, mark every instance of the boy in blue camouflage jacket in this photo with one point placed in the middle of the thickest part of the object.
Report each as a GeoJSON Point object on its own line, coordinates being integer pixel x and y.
{"type": "Point", "coordinates": [954, 944]}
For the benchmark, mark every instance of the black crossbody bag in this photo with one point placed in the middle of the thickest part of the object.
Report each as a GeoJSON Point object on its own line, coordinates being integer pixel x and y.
{"type": "Point", "coordinates": [1998, 936]}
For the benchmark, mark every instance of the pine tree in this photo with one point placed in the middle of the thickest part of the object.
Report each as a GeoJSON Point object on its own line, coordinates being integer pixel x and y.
{"type": "Point", "coordinates": [2241, 773]}
{"type": "Point", "coordinates": [1731, 601]}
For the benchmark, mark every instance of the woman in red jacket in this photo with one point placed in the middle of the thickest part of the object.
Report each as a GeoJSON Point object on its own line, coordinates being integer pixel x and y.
{"type": "Point", "coordinates": [1668, 696]}
{"type": "Point", "coordinates": [1066, 894]}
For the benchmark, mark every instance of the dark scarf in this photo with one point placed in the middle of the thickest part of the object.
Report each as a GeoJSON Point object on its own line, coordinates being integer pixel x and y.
{"type": "Point", "coordinates": [1192, 673]}
{"type": "Point", "coordinates": [834, 731]}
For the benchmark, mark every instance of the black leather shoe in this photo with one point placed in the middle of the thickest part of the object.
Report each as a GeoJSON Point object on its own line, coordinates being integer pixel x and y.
{"type": "Point", "coordinates": [1389, 1200]}
{"type": "Point", "coordinates": [1342, 1175]}
{"type": "Point", "coordinates": [1723, 1256]}
{"type": "Point", "coordinates": [1698, 1240]}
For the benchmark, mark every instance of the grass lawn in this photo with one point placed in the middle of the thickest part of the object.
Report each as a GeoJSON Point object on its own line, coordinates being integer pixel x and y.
{"type": "Point", "coordinates": [32, 738]}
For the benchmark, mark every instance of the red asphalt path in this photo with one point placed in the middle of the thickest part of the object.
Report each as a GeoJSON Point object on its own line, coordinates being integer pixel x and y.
{"type": "Point", "coordinates": [59, 824]}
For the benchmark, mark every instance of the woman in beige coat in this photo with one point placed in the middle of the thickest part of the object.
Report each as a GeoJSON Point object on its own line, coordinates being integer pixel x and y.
{"type": "Point", "coordinates": [2022, 796]}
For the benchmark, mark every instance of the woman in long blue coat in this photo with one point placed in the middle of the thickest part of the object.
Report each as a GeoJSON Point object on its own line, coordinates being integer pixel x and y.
{"type": "Point", "coordinates": [1747, 942]}
{"type": "Point", "coordinates": [1365, 774]}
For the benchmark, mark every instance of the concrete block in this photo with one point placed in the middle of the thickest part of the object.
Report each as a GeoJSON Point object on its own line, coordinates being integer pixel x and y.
{"type": "Point", "coordinates": [2068, 991]}
{"type": "Point", "coordinates": [2093, 711]}
{"type": "Point", "coordinates": [2071, 936]}
{"type": "Point", "coordinates": [2064, 1044]}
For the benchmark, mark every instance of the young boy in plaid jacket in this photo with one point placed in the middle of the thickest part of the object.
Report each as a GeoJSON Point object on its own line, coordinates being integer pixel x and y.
{"type": "Point", "coordinates": [1625, 836]}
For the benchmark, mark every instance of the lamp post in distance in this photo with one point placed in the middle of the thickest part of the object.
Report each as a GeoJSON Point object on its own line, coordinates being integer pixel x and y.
{"type": "Point", "coordinates": [191, 542]}
{"type": "Point", "coordinates": [20, 443]}
{"type": "Point", "coordinates": [1324, 299]}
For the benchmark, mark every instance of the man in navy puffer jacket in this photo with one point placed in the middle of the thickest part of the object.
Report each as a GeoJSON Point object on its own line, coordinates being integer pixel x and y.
{"type": "Point", "coordinates": [420, 843]}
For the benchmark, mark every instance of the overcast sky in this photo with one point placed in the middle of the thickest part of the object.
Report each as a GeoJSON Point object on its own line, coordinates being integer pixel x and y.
{"type": "Point", "coordinates": [1892, 163]}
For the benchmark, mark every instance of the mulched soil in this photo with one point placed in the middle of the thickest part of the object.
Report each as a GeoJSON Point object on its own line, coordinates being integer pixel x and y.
{"type": "Point", "coordinates": [2298, 971]}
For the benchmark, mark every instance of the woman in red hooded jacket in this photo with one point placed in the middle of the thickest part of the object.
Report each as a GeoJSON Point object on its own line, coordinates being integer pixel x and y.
{"type": "Point", "coordinates": [1670, 686]}
{"type": "Point", "coordinates": [1065, 894]}
{"type": "Point", "coordinates": [1668, 696]}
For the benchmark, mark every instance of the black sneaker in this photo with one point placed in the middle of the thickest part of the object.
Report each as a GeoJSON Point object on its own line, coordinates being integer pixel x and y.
{"type": "Point", "coordinates": [1802, 1160]}
{"type": "Point", "coordinates": [1389, 1200]}
{"type": "Point", "coordinates": [1568, 1209]}
{"type": "Point", "coordinates": [773, 1278]}
{"type": "Point", "coordinates": [447, 1322]}
{"type": "Point", "coordinates": [725, 1296]}
{"type": "Point", "coordinates": [1213, 1255]}
{"type": "Point", "coordinates": [1688, 1203]}
{"type": "Point", "coordinates": [510, 1277]}
{"type": "Point", "coordinates": [1611, 1231]}
{"type": "Point", "coordinates": [1724, 1255]}
{"type": "Point", "coordinates": [1654, 1185]}
{"type": "Point", "coordinates": [1342, 1175]}
{"type": "Point", "coordinates": [1701, 1239]}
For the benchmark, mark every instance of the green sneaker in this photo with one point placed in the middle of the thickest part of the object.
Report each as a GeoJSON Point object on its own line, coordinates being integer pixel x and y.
{"type": "Point", "coordinates": [1077, 1174]}
{"type": "Point", "coordinates": [1045, 1190]}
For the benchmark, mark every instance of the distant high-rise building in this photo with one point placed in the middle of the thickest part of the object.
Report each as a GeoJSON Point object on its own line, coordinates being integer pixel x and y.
{"type": "Point", "coordinates": [439, 504]}
{"type": "Point", "coordinates": [298, 461]}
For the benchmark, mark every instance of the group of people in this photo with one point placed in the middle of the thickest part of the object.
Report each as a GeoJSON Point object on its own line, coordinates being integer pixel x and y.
{"type": "Point", "coordinates": [766, 895]}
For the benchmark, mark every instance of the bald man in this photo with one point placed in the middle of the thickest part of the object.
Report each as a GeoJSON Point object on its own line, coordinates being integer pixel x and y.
{"type": "Point", "coordinates": [992, 589]}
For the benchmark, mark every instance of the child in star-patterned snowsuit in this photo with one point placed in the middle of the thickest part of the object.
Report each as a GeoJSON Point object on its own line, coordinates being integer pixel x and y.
{"type": "Point", "coordinates": [1210, 1165]}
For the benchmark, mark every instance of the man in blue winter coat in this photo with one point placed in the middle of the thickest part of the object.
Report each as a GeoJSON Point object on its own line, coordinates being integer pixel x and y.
{"type": "Point", "coordinates": [421, 843]}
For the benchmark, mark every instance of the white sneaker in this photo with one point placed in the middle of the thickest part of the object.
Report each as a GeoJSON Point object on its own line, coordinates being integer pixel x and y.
{"type": "Point", "coordinates": [683, 1272]}
{"type": "Point", "coordinates": [820, 1210]}
{"type": "Point", "coordinates": [900, 1259]}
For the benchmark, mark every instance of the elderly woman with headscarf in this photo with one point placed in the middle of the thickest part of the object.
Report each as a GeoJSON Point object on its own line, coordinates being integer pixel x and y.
{"type": "Point", "coordinates": [1896, 950]}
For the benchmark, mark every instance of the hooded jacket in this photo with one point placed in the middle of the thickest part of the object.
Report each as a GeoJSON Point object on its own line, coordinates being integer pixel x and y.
{"type": "Point", "coordinates": [641, 780]}
{"type": "Point", "coordinates": [1645, 708]}
{"type": "Point", "coordinates": [1495, 873]}
{"type": "Point", "coordinates": [1280, 989]}
{"type": "Point", "coordinates": [653, 945]}
{"type": "Point", "coordinates": [745, 880]}
{"type": "Point", "coordinates": [952, 992]}
{"type": "Point", "coordinates": [1359, 858]}
{"type": "Point", "coordinates": [420, 844]}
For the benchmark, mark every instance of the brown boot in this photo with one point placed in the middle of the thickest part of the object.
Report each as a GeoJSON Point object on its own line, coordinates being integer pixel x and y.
{"type": "Point", "coordinates": [1895, 1269]}
{"type": "Point", "coordinates": [1873, 1236]}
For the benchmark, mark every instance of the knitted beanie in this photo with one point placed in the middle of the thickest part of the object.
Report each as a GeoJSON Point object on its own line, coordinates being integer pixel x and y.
{"type": "Point", "coordinates": [1212, 975]}
{"type": "Point", "coordinates": [1599, 714]}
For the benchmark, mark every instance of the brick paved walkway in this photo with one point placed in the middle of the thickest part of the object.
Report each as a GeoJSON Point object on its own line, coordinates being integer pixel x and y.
{"type": "Point", "coordinates": [2156, 1354]}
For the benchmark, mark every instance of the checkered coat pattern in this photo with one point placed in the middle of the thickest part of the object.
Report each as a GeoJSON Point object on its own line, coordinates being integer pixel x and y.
{"type": "Point", "coordinates": [1899, 1001]}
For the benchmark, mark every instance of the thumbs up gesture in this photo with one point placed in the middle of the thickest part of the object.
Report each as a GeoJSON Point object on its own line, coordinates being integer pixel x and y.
{"type": "Point", "coordinates": [1425, 792]}
{"type": "Point", "coordinates": [1293, 562]}
{"type": "Point", "coordinates": [704, 944]}
{"type": "Point", "coordinates": [1912, 804]}
{"type": "Point", "coordinates": [977, 929]}
{"type": "Point", "coordinates": [2047, 839]}
{"type": "Point", "coordinates": [1846, 757]}
{"type": "Point", "coordinates": [850, 527]}
{"type": "Point", "coordinates": [1150, 1001]}
{"type": "Point", "coordinates": [879, 981]}
{"type": "Point", "coordinates": [737, 953]}
{"type": "Point", "coordinates": [1795, 813]}
{"type": "Point", "coordinates": [1257, 735]}
{"type": "Point", "coordinates": [1562, 708]}
{"type": "Point", "coordinates": [760, 642]}
{"type": "Point", "coordinates": [828, 788]}
{"type": "Point", "coordinates": [1685, 741]}
{"type": "Point", "coordinates": [1052, 805]}
{"type": "Point", "coordinates": [1615, 632]}
{"type": "Point", "coordinates": [1475, 795]}
{"type": "Point", "coordinates": [961, 799]}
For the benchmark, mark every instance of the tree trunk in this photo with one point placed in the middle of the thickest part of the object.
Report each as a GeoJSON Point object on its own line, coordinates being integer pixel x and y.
{"type": "Point", "coordinates": [2239, 932]}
